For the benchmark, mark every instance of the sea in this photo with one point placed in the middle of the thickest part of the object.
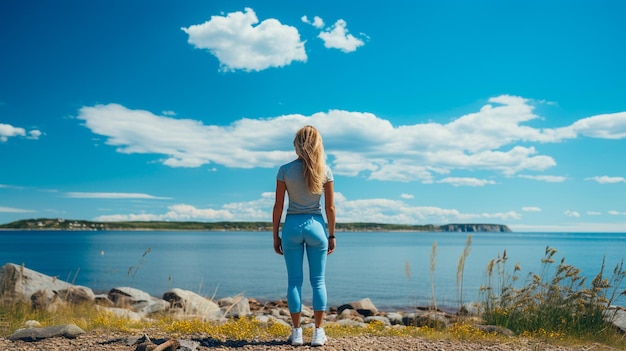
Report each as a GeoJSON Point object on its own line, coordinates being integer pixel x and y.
{"type": "Point", "coordinates": [395, 270]}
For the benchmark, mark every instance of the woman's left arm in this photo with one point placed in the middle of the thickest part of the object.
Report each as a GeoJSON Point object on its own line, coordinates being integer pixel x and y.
{"type": "Point", "coordinates": [329, 205]}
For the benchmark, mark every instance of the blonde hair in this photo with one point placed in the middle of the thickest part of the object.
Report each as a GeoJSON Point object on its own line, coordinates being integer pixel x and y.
{"type": "Point", "coordinates": [309, 148]}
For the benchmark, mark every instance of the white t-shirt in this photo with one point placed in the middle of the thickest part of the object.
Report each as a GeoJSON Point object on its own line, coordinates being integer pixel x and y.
{"type": "Point", "coordinates": [301, 201]}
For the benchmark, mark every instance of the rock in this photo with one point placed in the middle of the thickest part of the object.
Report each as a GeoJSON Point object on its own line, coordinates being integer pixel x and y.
{"type": "Point", "coordinates": [188, 345]}
{"type": "Point", "coordinates": [306, 311]}
{"type": "Point", "coordinates": [188, 303]}
{"type": "Point", "coordinates": [45, 300]}
{"type": "Point", "coordinates": [32, 324]}
{"type": "Point", "coordinates": [76, 294]}
{"type": "Point", "coordinates": [472, 309]}
{"type": "Point", "coordinates": [235, 307]}
{"type": "Point", "coordinates": [137, 300]}
{"type": "Point", "coordinates": [19, 282]}
{"type": "Point", "coordinates": [617, 316]}
{"type": "Point", "coordinates": [70, 331]}
{"type": "Point", "coordinates": [350, 314]}
{"type": "Point", "coordinates": [435, 320]}
{"type": "Point", "coordinates": [364, 307]}
{"type": "Point", "coordinates": [395, 318]}
{"type": "Point", "coordinates": [103, 300]}
{"type": "Point", "coordinates": [122, 313]}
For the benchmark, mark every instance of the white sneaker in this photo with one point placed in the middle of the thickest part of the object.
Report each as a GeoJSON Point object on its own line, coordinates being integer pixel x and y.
{"type": "Point", "coordinates": [319, 337]}
{"type": "Point", "coordinates": [296, 337]}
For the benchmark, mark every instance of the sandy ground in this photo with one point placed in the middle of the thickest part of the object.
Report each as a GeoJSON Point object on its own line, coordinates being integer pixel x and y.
{"type": "Point", "coordinates": [96, 341]}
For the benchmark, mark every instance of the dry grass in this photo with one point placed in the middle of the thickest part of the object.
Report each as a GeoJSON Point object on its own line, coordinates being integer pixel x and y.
{"type": "Point", "coordinates": [555, 304]}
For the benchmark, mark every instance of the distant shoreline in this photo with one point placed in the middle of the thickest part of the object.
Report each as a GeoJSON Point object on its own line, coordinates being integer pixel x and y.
{"type": "Point", "coordinates": [43, 224]}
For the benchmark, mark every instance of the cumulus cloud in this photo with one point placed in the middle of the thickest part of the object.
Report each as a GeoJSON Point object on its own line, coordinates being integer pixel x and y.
{"type": "Point", "coordinates": [338, 37]}
{"type": "Point", "coordinates": [605, 126]}
{"type": "Point", "coordinates": [100, 195]}
{"type": "Point", "coordinates": [363, 210]}
{"type": "Point", "coordinates": [571, 213]}
{"type": "Point", "coordinates": [616, 213]}
{"type": "Point", "coordinates": [456, 181]}
{"type": "Point", "coordinates": [544, 178]}
{"type": "Point", "coordinates": [407, 196]}
{"type": "Point", "coordinates": [357, 143]}
{"type": "Point", "coordinates": [607, 179]}
{"type": "Point", "coordinates": [240, 42]}
{"type": "Point", "coordinates": [8, 131]}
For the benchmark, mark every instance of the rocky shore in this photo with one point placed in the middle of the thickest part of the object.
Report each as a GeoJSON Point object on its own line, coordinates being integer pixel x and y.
{"type": "Point", "coordinates": [19, 283]}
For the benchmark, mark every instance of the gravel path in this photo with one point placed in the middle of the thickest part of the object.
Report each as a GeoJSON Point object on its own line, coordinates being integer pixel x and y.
{"type": "Point", "coordinates": [100, 341]}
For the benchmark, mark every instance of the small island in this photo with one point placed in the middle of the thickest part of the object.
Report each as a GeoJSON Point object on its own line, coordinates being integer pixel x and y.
{"type": "Point", "coordinates": [70, 224]}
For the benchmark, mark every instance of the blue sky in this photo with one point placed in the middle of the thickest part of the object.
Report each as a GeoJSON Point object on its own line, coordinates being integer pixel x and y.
{"type": "Point", "coordinates": [432, 112]}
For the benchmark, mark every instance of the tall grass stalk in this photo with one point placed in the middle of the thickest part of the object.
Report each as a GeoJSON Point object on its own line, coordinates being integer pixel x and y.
{"type": "Point", "coordinates": [433, 265]}
{"type": "Point", "coordinates": [461, 268]}
{"type": "Point", "coordinates": [132, 270]}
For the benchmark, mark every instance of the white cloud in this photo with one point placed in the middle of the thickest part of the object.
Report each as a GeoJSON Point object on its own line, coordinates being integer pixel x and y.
{"type": "Point", "coordinates": [34, 134]}
{"type": "Point", "coordinates": [363, 210]}
{"type": "Point", "coordinates": [337, 37]}
{"type": "Point", "coordinates": [531, 209]}
{"type": "Point", "coordinates": [545, 178]}
{"type": "Point", "coordinates": [607, 179]}
{"type": "Point", "coordinates": [357, 143]}
{"type": "Point", "coordinates": [240, 45]}
{"type": "Point", "coordinates": [14, 210]}
{"type": "Point", "coordinates": [616, 213]}
{"type": "Point", "coordinates": [318, 22]}
{"type": "Point", "coordinates": [406, 196]}
{"type": "Point", "coordinates": [455, 181]}
{"type": "Point", "coordinates": [8, 131]}
{"type": "Point", "coordinates": [98, 195]}
{"type": "Point", "coordinates": [571, 213]}
{"type": "Point", "coordinates": [606, 126]}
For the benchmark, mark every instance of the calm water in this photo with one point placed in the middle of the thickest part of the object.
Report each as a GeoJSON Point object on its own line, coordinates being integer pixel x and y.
{"type": "Point", "coordinates": [370, 265]}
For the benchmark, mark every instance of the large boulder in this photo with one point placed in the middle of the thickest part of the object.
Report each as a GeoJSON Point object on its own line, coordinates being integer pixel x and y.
{"type": "Point", "coordinates": [186, 303]}
{"type": "Point", "coordinates": [20, 283]}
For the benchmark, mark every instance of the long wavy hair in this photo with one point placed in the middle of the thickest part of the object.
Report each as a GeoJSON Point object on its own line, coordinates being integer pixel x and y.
{"type": "Point", "coordinates": [310, 149]}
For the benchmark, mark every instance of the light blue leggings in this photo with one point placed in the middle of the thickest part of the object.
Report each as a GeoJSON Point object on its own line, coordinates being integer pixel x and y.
{"type": "Point", "coordinates": [300, 232]}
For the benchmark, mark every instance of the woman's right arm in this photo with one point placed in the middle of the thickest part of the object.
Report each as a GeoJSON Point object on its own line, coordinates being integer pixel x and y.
{"type": "Point", "coordinates": [277, 214]}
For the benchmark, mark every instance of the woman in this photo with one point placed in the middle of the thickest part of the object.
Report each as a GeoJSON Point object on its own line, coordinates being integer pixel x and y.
{"type": "Point", "coordinates": [305, 180]}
